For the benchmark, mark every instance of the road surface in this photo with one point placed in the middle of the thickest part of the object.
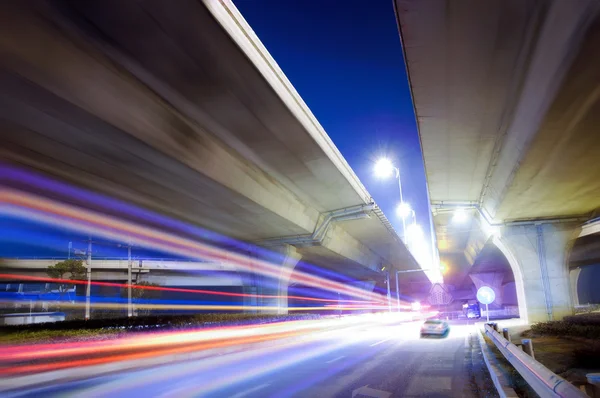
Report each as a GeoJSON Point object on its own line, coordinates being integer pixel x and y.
{"type": "Point", "coordinates": [362, 360]}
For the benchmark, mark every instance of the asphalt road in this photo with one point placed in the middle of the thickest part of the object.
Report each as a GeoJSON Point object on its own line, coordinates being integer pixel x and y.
{"type": "Point", "coordinates": [363, 360]}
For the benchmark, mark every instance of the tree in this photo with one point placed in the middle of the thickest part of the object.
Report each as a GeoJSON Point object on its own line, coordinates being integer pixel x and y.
{"type": "Point", "coordinates": [141, 293]}
{"type": "Point", "coordinates": [67, 269]}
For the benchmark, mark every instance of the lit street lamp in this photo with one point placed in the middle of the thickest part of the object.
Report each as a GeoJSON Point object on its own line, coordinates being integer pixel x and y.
{"type": "Point", "coordinates": [460, 216]}
{"type": "Point", "coordinates": [404, 210]}
{"type": "Point", "coordinates": [384, 168]}
{"type": "Point", "coordinates": [413, 231]}
{"type": "Point", "coordinates": [443, 269]}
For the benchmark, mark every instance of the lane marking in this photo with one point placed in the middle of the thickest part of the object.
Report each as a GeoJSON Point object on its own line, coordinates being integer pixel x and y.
{"type": "Point", "coordinates": [250, 390]}
{"type": "Point", "coordinates": [382, 341]}
{"type": "Point", "coordinates": [336, 359]}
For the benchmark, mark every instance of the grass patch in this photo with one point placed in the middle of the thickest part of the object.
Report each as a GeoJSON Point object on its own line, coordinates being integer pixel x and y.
{"type": "Point", "coordinates": [570, 347]}
{"type": "Point", "coordinates": [586, 326]}
{"type": "Point", "coordinates": [110, 328]}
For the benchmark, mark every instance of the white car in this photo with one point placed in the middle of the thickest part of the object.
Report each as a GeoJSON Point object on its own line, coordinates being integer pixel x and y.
{"type": "Point", "coordinates": [434, 326]}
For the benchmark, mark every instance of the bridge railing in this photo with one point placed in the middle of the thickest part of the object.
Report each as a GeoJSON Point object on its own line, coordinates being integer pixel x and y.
{"type": "Point", "coordinates": [544, 382]}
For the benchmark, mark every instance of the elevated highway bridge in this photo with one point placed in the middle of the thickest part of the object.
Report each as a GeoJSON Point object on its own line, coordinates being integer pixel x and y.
{"type": "Point", "coordinates": [177, 108]}
{"type": "Point", "coordinates": [508, 107]}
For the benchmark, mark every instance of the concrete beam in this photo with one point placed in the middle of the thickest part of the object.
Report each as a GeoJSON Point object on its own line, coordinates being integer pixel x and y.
{"type": "Point", "coordinates": [122, 264]}
{"type": "Point", "coordinates": [590, 228]}
{"type": "Point", "coordinates": [170, 278]}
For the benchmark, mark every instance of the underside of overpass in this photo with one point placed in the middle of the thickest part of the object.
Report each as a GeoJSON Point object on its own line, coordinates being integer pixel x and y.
{"type": "Point", "coordinates": [181, 110]}
{"type": "Point", "coordinates": [584, 265]}
{"type": "Point", "coordinates": [507, 105]}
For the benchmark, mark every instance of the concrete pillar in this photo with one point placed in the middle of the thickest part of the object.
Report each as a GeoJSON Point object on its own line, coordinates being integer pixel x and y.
{"type": "Point", "coordinates": [537, 255]}
{"type": "Point", "coordinates": [275, 289]}
{"type": "Point", "coordinates": [287, 268]}
{"type": "Point", "coordinates": [574, 279]}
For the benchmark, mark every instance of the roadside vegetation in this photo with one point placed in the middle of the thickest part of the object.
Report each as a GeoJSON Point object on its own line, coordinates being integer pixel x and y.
{"type": "Point", "coordinates": [584, 325]}
{"type": "Point", "coordinates": [76, 330]}
{"type": "Point", "coordinates": [570, 347]}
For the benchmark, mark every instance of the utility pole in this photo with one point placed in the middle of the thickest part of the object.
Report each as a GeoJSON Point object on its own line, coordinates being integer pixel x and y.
{"type": "Point", "coordinates": [89, 279]}
{"type": "Point", "coordinates": [129, 306]}
{"type": "Point", "coordinates": [397, 292]}
{"type": "Point", "coordinates": [70, 248]}
{"type": "Point", "coordinates": [389, 298]}
{"type": "Point", "coordinates": [129, 281]}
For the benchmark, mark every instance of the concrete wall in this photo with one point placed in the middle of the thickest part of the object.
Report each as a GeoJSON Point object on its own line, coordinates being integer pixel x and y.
{"type": "Point", "coordinates": [537, 255]}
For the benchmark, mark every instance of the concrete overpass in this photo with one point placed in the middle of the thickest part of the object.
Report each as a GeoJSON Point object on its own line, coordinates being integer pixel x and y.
{"type": "Point", "coordinates": [507, 104]}
{"type": "Point", "coordinates": [178, 108]}
{"type": "Point", "coordinates": [164, 272]}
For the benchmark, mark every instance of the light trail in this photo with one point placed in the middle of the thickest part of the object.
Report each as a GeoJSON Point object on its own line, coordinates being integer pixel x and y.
{"type": "Point", "coordinates": [40, 209]}
{"type": "Point", "coordinates": [206, 307]}
{"type": "Point", "coordinates": [206, 377]}
{"type": "Point", "coordinates": [16, 359]}
{"type": "Point", "coordinates": [167, 289]}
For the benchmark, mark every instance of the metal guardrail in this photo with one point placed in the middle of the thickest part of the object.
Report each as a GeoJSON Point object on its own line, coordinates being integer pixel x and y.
{"type": "Point", "coordinates": [540, 378]}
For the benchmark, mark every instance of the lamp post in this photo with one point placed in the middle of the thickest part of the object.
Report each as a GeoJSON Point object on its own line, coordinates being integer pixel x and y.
{"type": "Point", "coordinates": [389, 294]}
{"type": "Point", "coordinates": [443, 268]}
{"type": "Point", "coordinates": [397, 292]}
{"type": "Point", "coordinates": [129, 265]}
{"type": "Point", "coordinates": [403, 211]}
{"type": "Point", "coordinates": [384, 168]}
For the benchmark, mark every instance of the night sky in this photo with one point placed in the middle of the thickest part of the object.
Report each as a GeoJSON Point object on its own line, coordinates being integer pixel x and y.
{"type": "Point", "coordinates": [346, 63]}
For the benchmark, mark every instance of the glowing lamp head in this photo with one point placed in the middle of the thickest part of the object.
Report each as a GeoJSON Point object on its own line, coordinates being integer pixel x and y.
{"type": "Point", "coordinates": [443, 267]}
{"type": "Point", "coordinates": [384, 168]}
{"type": "Point", "coordinates": [403, 210]}
{"type": "Point", "coordinates": [460, 216]}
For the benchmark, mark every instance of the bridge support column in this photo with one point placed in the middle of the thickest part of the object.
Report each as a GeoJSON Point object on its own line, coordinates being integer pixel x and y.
{"type": "Point", "coordinates": [288, 263]}
{"type": "Point", "coordinates": [277, 288]}
{"type": "Point", "coordinates": [537, 255]}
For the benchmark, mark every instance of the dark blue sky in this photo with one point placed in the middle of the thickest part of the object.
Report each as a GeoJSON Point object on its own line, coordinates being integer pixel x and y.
{"type": "Point", "coordinates": [345, 60]}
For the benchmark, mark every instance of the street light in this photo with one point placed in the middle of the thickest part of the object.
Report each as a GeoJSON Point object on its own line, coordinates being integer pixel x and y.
{"type": "Point", "coordinates": [443, 268]}
{"type": "Point", "coordinates": [460, 216]}
{"type": "Point", "coordinates": [384, 168]}
{"type": "Point", "coordinates": [404, 210]}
